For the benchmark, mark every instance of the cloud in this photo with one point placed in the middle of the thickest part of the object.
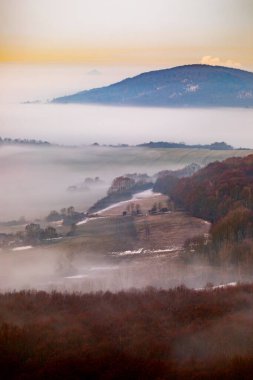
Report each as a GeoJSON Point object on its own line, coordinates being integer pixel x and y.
{"type": "Point", "coordinates": [94, 72]}
{"type": "Point", "coordinates": [216, 61]}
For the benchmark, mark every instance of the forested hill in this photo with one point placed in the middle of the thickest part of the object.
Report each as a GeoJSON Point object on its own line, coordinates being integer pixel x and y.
{"type": "Point", "coordinates": [217, 189]}
{"type": "Point", "coordinates": [10, 141]}
{"type": "Point", "coordinates": [170, 145]}
{"type": "Point", "coordinates": [183, 86]}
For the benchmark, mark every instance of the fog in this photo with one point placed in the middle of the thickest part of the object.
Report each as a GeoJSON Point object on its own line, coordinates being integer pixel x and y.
{"type": "Point", "coordinates": [83, 124]}
{"type": "Point", "coordinates": [35, 179]}
{"type": "Point", "coordinates": [31, 82]}
{"type": "Point", "coordinates": [52, 268]}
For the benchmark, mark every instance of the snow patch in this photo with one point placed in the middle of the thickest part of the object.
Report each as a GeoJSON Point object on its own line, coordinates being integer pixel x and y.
{"type": "Point", "coordinates": [89, 220]}
{"type": "Point", "coordinates": [225, 285]}
{"type": "Point", "coordinates": [104, 268]}
{"type": "Point", "coordinates": [142, 195]}
{"type": "Point", "coordinates": [245, 95]}
{"type": "Point", "coordinates": [192, 88]}
{"type": "Point", "coordinates": [145, 194]}
{"type": "Point", "coordinates": [124, 253]}
{"type": "Point", "coordinates": [221, 286]}
{"type": "Point", "coordinates": [113, 206]}
{"type": "Point", "coordinates": [76, 277]}
{"type": "Point", "coordinates": [24, 248]}
{"type": "Point", "coordinates": [82, 222]}
{"type": "Point", "coordinates": [147, 251]}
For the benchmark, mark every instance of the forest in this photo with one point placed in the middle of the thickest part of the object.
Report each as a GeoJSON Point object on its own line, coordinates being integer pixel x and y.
{"type": "Point", "coordinates": [217, 189]}
{"type": "Point", "coordinates": [149, 334]}
{"type": "Point", "coordinates": [221, 193]}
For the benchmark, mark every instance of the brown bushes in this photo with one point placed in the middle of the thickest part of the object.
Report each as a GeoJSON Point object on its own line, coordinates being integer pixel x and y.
{"type": "Point", "coordinates": [153, 334]}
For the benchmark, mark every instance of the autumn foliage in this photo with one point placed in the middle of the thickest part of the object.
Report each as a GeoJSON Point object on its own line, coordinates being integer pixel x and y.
{"type": "Point", "coordinates": [221, 193]}
{"type": "Point", "coordinates": [152, 334]}
{"type": "Point", "coordinates": [236, 226]}
{"type": "Point", "coordinates": [217, 189]}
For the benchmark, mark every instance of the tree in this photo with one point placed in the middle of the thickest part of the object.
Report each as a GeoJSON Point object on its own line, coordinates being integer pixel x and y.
{"type": "Point", "coordinates": [147, 230]}
{"type": "Point", "coordinates": [33, 232]}
{"type": "Point", "coordinates": [50, 232]}
{"type": "Point", "coordinates": [236, 226]}
{"type": "Point", "coordinates": [63, 211]}
{"type": "Point", "coordinates": [154, 208]}
{"type": "Point", "coordinates": [138, 209]}
{"type": "Point", "coordinates": [70, 211]}
{"type": "Point", "coordinates": [53, 216]}
{"type": "Point", "coordinates": [72, 230]}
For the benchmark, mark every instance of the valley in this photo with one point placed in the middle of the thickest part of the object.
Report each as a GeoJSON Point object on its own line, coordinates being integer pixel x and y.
{"type": "Point", "coordinates": [35, 179]}
{"type": "Point", "coordinates": [126, 192]}
{"type": "Point", "coordinates": [113, 251]}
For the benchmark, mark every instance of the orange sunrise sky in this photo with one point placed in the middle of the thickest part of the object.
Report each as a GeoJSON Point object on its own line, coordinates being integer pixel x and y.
{"type": "Point", "coordinates": [133, 32]}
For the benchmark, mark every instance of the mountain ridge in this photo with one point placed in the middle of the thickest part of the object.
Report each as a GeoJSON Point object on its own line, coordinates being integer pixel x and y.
{"type": "Point", "coordinates": [182, 86]}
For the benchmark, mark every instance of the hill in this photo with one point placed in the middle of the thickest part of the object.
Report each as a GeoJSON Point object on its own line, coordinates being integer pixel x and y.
{"type": "Point", "coordinates": [223, 194]}
{"type": "Point", "coordinates": [183, 86]}
{"type": "Point", "coordinates": [170, 145]}
{"type": "Point", "coordinates": [217, 189]}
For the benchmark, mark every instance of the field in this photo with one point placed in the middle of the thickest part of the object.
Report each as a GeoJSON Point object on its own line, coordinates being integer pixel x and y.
{"type": "Point", "coordinates": [115, 252]}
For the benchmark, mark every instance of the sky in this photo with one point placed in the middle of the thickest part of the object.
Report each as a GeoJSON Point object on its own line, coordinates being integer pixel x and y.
{"type": "Point", "coordinates": [158, 33]}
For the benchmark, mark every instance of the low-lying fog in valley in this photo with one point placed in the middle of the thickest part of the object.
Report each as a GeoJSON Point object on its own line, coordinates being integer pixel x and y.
{"type": "Point", "coordinates": [36, 179]}
{"type": "Point", "coordinates": [55, 269]}
{"type": "Point", "coordinates": [126, 192]}
{"type": "Point", "coordinates": [84, 124]}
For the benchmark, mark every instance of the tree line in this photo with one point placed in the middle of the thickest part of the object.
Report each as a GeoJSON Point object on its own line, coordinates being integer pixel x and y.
{"type": "Point", "coordinates": [221, 193]}
{"type": "Point", "coordinates": [18, 141]}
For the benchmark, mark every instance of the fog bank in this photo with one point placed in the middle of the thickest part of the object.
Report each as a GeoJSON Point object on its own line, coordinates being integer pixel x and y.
{"type": "Point", "coordinates": [49, 268]}
{"type": "Point", "coordinates": [85, 124]}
